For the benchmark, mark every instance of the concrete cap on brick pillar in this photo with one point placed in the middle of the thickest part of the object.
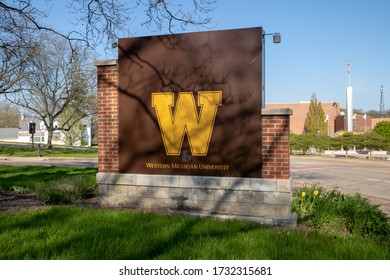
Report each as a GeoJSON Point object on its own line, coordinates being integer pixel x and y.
{"type": "Point", "coordinates": [276, 111]}
{"type": "Point", "coordinates": [107, 62]}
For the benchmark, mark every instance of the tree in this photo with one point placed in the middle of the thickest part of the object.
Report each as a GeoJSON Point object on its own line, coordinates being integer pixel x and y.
{"type": "Point", "coordinates": [372, 141]}
{"type": "Point", "coordinates": [58, 79]}
{"type": "Point", "coordinates": [373, 114]}
{"type": "Point", "coordinates": [321, 143]}
{"type": "Point", "coordinates": [383, 128]}
{"type": "Point", "coordinates": [22, 21]}
{"type": "Point", "coordinates": [72, 134]}
{"type": "Point", "coordinates": [316, 121]}
{"type": "Point", "coordinates": [9, 116]}
{"type": "Point", "coordinates": [302, 141]}
{"type": "Point", "coordinates": [16, 49]}
{"type": "Point", "coordinates": [358, 111]}
{"type": "Point", "coordinates": [346, 141]}
{"type": "Point", "coordinates": [104, 20]}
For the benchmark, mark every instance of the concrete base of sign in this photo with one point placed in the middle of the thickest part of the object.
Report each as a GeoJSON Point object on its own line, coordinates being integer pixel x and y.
{"type": "Point", "coordinates": [266, 201]}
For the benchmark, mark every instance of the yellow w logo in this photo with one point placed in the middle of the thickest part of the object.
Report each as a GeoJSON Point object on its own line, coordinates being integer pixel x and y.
{"type": "Point", "coordinates": [186, 120]}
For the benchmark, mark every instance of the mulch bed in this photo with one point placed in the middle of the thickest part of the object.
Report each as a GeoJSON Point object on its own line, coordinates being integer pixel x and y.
{"type": "Point", "coordinates": [13, 202]}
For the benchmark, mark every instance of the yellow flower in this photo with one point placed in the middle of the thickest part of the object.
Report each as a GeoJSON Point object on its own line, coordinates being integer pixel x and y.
{"type": "Point", "coordinates": [303, 194]}
{"type": "Point", "coordinates": [315, 193]}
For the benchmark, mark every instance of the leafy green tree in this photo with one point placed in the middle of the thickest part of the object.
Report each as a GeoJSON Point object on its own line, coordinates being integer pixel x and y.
{"type": "Point", "coordinates": [321, 143]}
{"type": "Point", "coordinates": [346, 141]}
{"type": "Point", "coordinates": [383, 128]}
{"type": "Point", "coordinates": [372, 141]}
{"type": "Point", "coordinates": [302, 141]}
{"type": "Point", "coordinates": [334, 143]}
{"type": "Point", "coordinates": [316, 122]}
{"type": "Point", "coordinates": [293, 142]}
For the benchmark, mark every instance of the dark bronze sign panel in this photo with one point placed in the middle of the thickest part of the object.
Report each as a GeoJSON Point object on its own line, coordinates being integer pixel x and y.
{"type": "Point", "coordinates": [190, 104]}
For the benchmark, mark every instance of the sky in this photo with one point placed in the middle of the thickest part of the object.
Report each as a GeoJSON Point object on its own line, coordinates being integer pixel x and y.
{"type": "Point", "coordinates": [318, 39]}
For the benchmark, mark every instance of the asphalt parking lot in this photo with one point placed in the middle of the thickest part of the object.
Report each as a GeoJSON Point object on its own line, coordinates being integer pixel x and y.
{"type": "Point", "coordinates": [370, 178]}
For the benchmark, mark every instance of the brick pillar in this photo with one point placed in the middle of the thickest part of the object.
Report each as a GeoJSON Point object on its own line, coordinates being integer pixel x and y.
{"type": "Point", "coordinates": [276, 143]}
{"type": "Point", "coordinates": [108, 129]}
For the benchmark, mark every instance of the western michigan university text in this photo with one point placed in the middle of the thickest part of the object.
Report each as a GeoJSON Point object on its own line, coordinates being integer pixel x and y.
{"type": "Point", "coordinates": [197, 166]}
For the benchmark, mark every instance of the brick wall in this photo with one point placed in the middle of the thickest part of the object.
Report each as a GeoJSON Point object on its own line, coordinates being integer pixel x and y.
{"type": "Point", "coordinates": [265, 200]}
{"type": "Point", "coordinates": [275, 128]}
{"type": "Point", "coordinates": [374, 121]}
{"type": "Point", "coordinates": [108, 130]}
{"type": "Point", "coordinates": [276, 143]}
{"type": "Point", "coordinates": [297, 121]}
{"type": "Point", "coordinates": [361, 124]}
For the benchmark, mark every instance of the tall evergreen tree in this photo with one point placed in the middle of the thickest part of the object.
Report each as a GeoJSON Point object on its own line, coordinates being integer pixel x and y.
{"type": "Point", "coordinates": [316, 121]}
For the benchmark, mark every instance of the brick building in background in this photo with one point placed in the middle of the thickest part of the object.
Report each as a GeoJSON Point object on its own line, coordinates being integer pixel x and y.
{"type": "Point", "coordinates": [337, 119]}
{"type": "Point", "coordinates": [376, 120]}
{"type": "Point", "coordinates": [360, 123]}
{"type": "Point", "coordinates": [300, 109]}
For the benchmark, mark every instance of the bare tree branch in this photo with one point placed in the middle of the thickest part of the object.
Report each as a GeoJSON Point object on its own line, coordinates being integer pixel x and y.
{"type": "Point", "coordinates": [21, 23]}
{"type": "Point", "coordinates": [56, 80]}
{"type": "Point", "coordinates": [168, 13]}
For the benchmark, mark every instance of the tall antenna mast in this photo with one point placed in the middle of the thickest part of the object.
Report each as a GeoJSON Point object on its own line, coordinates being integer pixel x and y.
{"type": "Point", "coordinates": [382, 104]}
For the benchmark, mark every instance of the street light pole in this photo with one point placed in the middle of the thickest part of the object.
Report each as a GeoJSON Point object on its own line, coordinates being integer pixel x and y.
{"type": "Point", "coordinates": [277, 39]}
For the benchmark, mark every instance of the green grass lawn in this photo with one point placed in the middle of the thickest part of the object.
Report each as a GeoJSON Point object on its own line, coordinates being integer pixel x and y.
{"type": "Point", "coordinates": [75, 233]}
{"type": "Point", "coordinates": [336, 227]}
{"type": "Point", "coordinates": [55, 152]}
{"type": "Point", "coordinates": [28, 177]}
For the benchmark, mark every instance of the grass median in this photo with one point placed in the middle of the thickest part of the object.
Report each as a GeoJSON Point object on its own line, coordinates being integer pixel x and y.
{"type": "Point", "coordinates": [27, 178]}
{"type": "Point", "coordinates": [23, 151]}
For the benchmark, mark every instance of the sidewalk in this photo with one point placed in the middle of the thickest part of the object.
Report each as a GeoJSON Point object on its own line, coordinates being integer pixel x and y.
{"type": "Point", "coordinates": [49, 161]}
{"type": "Point", "coordinates": [383, 155]}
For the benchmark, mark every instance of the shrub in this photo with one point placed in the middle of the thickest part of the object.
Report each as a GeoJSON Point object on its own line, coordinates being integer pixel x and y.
{"type": "Point", "coordinates": [20, 190]}
{"type": "Point", "coordinates": [383, 128]}
{"type": "Point", "coordinates": [338, 213]}
{"type": "Point", "coordinates": [65, 190]}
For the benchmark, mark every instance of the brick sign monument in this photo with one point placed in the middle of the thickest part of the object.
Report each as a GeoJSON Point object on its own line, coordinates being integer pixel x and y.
{"type": "Point", "coordinates": [182, 128]}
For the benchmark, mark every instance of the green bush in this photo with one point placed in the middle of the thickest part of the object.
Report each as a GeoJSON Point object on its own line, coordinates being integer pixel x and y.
{"type": "Point", "coordinates": [383, 128]}
{"type": "Point", "coordinates": [20, 190]}
{"type": "Point", "coordinates": [341, 214]}
{"type": "Point", "coordinates": [65, 190]}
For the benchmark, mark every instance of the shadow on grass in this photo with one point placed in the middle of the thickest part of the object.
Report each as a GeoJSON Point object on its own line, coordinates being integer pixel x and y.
{"type": "Point", "coordinates": [73, 233]}
{"type": "Point", "coordinates": [29, 176]}
{"type": "Point", "coordinates": [63, 233]}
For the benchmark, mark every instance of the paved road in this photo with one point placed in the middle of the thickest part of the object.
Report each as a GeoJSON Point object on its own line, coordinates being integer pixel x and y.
{"type": "Point", "coordinates": [370, 178]}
